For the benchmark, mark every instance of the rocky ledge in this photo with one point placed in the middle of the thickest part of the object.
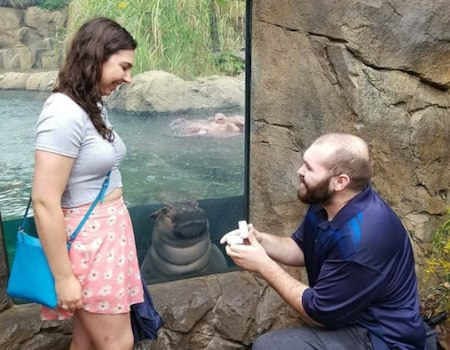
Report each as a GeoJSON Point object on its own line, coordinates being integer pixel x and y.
{"type": "Point", "coordinates": [153, 91]}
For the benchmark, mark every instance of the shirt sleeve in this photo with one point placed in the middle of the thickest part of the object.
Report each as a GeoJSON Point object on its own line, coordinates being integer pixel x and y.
{"type": "Point", "coordinates": [297, 236]}
{"type": "Point", "coordinates": [60, 129]}
{"type": "Point", "coordinates": [343, 290]}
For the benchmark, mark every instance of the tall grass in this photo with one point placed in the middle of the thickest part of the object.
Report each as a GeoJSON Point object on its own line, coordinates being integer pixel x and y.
{"type": "Point", "coordinates": [436, 294]}
{"type": "Point", "coordinates": [174, 35]}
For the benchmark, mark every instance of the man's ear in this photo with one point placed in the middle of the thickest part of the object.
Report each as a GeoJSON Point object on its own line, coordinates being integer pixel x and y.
{"type": "Point", "coordinates": [340, 182]}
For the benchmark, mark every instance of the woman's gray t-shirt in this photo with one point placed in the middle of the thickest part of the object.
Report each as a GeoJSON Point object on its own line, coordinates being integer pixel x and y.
{"type": "Point", "coordinates": [65, 128]}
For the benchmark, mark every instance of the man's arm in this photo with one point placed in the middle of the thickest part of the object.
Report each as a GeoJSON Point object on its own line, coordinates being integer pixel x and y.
{"type": "Point", "coordinates": [282, 249]}
{"type": "Point", "coordinates": [253, 257]}
{"type": "Point", "coordinates": [287, 287]}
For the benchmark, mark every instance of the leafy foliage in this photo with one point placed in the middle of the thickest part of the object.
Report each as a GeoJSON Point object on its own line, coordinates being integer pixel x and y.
{"type": "Point", "coordinates": [230, 63]}
{"type": "Point", "coordinates": [53, 4]}
{"type": "Point", "coordinates": [436, 296]}
{"type": "Point", "coordinates": [188, 38]}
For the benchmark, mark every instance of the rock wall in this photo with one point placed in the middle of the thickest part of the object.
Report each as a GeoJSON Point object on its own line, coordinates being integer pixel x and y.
{"type": "Point", "coordinates": [31, 38]}
{"type": "Point", "coordinates": [217, 312]}
{"type": "Point", "coordinates": [380, 69]}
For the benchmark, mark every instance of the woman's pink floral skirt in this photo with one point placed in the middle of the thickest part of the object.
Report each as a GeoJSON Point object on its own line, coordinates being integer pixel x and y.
{"type": "Point", "coordinates": [104, 260]}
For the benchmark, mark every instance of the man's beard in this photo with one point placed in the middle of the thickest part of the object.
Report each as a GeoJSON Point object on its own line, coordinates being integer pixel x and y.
{"type": "Point", "coordinates": [319, 194]}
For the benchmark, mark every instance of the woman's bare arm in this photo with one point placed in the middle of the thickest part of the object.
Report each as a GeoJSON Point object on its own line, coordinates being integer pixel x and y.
{"type": "Point", "coordinates": [50, 178]}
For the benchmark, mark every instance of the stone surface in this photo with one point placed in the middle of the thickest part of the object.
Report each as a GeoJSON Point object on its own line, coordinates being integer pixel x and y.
{"type": "Point", "coordinates": [13, 80]}
{"type": "Point", "coordinates": [162, 92]}
{"type": "Point", "coordinates": [408, 36]}
{"type": "Point", "coordinates": [21, 328]}
{"type": "Point", "coordinates": [42, 81]}
{"type": "Point", "coordinates": [31, 38]}
{"type": "Point", "coordinates": [10, 19]}
{"type": "Point", "coordinates": [47, 23]}
{"type": "Point", "coordinates": [17, 58]}
{"type": "Point", "coordinates": [364, 67]}
{"type": "Point", "coordinates": [216, 312]}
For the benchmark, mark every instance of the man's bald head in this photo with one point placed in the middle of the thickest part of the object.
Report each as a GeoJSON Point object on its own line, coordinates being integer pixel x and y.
{"type": "Point", "coordinates": [347, 154]}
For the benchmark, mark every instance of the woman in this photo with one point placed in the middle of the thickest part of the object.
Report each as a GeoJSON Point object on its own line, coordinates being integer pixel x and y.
{"type": "Point", "coordinates": [98, 279]}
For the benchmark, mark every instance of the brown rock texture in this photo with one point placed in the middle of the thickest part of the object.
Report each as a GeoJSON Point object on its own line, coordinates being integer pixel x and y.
{"type": "Point", "coordinates": [379, 69]}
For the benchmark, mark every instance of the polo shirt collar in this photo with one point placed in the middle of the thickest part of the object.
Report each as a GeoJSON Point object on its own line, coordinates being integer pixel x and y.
{"type": "Point", "coordinates": [354, 206]}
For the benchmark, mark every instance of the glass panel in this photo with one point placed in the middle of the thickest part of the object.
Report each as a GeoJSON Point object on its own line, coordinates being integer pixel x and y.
{"type": "Point", "coordinates": [184, 175]}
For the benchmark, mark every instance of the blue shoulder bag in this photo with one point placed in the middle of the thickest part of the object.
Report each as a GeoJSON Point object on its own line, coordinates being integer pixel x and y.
{"type": "Point", "coordinates": [31, 278]}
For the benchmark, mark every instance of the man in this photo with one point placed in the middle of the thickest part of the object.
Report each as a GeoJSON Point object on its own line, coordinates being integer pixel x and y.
{"type": "Point", "coordinates": [362, 291]}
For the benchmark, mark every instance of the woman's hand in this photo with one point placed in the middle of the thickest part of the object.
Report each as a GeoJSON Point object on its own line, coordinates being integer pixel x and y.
{"type": "Point", "coordinates": [68, 291]}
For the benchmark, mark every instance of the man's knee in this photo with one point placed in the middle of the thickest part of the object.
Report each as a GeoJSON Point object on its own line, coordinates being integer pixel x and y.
{"type": "Point", "coordinates": [282, 339]}
{"type": "Point", "coordinates": [264, 342]}
{"type": "Point", "coordinates": [299, 338]}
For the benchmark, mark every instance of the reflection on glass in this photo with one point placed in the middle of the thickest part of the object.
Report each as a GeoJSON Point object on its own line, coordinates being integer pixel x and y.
{"type": "Point", "coordinates": [190, 155]}
{"type": "Point", "coordinates": [181, 244]}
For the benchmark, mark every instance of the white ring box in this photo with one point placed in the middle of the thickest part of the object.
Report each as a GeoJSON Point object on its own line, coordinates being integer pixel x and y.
{"type": "Point", "coordinates": [243, 229]}
{"type": "Point", "coordinates": [240, 235]}
{"type": "Point", "coordinates": [235, 240]}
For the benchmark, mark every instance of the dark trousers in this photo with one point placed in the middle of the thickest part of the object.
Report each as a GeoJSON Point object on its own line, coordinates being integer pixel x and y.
{"type": "Point", "coordinates": [310, 338]}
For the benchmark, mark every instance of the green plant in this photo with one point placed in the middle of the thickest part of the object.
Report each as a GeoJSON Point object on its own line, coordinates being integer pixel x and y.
{"type": "Point", "coordinates": [183, 37]}
{"type": "Point", "coordinates": [53, 4]}
{"type": "Point", "coordinates": [229, 63]}
{"type": "Point", "coordinates": [20, 4]}
{"type": "Point", "coordinates": [436, 295]}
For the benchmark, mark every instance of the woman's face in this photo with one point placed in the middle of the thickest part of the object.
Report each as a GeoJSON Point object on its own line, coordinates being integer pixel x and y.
{"type": "Point", "coordinates": [116, 71]}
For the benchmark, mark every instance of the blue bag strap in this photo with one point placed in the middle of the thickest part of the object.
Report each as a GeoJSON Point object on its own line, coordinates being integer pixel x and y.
{"type": "Point", "coordinates": [22, 225]}
{"type": "Point", "coordinates": [100, 197]}
{"type": "Point", "coordinates": [74, 234]}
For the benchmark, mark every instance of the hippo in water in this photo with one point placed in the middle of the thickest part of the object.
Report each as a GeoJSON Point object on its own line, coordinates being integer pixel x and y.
{"type": "Point", "coordinates": [217, 126]}
{"type": "Point", "coordinates": [181, 244]}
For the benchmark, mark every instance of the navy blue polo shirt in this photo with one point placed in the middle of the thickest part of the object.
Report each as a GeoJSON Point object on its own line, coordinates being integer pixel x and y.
{"type": "Point", "coordinates": [360, 267]}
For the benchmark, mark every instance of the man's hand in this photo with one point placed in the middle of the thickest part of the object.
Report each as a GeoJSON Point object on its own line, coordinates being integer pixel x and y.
{"type": "Point", "coordinates": [231, 237]}
{"type": "Point", "coordinates": [250, 256]}
{"type": "Point", "coordinates": [235, 236]}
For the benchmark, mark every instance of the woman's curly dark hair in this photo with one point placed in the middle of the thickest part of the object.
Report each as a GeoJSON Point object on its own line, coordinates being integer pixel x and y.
{"type": "Point", "coordinates": [80, 75]}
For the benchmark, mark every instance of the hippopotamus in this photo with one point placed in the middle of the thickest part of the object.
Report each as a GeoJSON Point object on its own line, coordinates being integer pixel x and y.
{"type": "Point", "coordinates": [217, 126]}
{"type": "Point", "coordinates": [181, 245]}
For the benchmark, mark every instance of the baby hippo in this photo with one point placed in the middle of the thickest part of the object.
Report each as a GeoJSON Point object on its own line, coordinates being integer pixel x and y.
{"type": "Point", "coordinates": [181, 244]}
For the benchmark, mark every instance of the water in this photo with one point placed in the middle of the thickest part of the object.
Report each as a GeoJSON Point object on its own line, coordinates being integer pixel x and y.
{"type": "Point", "coordinates": [159, 166]}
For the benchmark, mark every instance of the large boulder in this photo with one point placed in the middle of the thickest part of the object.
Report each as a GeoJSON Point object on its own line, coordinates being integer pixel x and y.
{"type": "Point", "coordinates": [21, 328]}
{"type": "Point", "coordinates": [13, 80]}
{"type": "Point", "coordinates": [224, 311]}
{"type": "Point", "coordinates": [162, 92]}
{"type": "Point", "coordinates": [41, 81]}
